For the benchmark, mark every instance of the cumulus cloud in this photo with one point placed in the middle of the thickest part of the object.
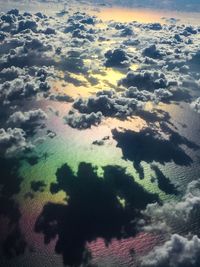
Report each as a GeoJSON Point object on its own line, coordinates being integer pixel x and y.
{"type": "Point", "coordinates": [106, 103]}
{"type": "Point", "coordinates": [144, 95]}
{"type": "Point", "coordinates": [152, 52]}
{"type": "Point", "coordinates": [61, 98]}
{"type": "Point", "coordinates": [83, 121]}
{"type": "Point", "coordinates": [116, 58]}
{"type": "Point", "coordinates": [17, 84]}
{"type": "Point", "coordinates": [176, 252]}
{"type": "Point", "coordinates": [28, 120]}
{"type": "Point", "coordinates": [145, 80]}
{"type": "Point", "coordinates": [181, 216]}
{"type": "Point", "coordinates": [13, 141]}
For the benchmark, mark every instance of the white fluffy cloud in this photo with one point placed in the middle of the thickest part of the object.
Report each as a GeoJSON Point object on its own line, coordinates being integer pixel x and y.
{"type": "Point", "coordinates": [13, 141]}
{"type": "Point", "coordinates": [176, 252]}
{"type": "Point", "coordinates": [32, 117]}
{"type": "Point", "coordinates": [177, 216]}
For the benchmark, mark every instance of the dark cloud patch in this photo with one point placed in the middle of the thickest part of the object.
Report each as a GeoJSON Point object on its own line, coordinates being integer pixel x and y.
{"type": "Point", "coordinates": [145, 80]}
{"type": "Point", "coordinates": [10, 74]}
{"type": "Point", "coordinates": [93, 210]}
{"type": "Point", "coordinates": [152, 52]}
{"type": "Point", "coordinates": [80, 25]}
{"type": "Point", "coordinates": [116, 58]}
{"type": "Point", "coordinates": [153, 26]}
{"type": "Point", "coordinates": [51, 134]}
{"type": "Point", "coordinates": [149, 146]}
{"type": "Point", "coordinates": [125, 30]}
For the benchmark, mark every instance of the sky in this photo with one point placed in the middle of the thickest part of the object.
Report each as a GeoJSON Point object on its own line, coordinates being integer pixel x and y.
{"type": "Point", "coordinates": [185, 5]}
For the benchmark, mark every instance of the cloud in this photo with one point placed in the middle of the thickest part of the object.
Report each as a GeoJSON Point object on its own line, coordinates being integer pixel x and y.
{"type": "Point", "coordinates": [176, 252]}
{"type": "Point", "coordinates": [145, 80]}
{"type": "Point", "coordinates": [28, 120]}
{"type": "Point", "coordinates": [181, 216]}
{"type": "Point", "coordinates": [112, 104]}
{"type": "Point", "coordinates": [143, 95]}
{"type": "Point", "coordinates": [153, 26]}
{"type": "Point", "coordinates": [13, 141]}
{"type": "Point", "coordinates": [61, 98]}
{"type": "Point", "coordinates": [152, 52]}
{"type": "Point", "coordinates": [25, 86]}
{"type": "Point", "coordinates": [116, 58]}
{"type": "Point", "coordinates": [10, 74]}
{"type": "Point", "coordinates": [83, 121]}
{"type": "Point", "coordinates": [106, 103]}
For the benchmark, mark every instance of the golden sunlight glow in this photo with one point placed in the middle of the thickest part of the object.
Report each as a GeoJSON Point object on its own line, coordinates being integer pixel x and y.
{"type": "Point", "coordinates": [144, 15]}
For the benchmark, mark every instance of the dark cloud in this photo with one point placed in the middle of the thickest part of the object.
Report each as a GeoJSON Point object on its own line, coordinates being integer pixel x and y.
{"type": "Point", "coordinates": [144, 95]}
{"type": "Point", "coordinates": [116, 58]}
{"type": "Point", "coordinates": [152, 52]}
{"type": "Point", "coordinates": [145, 80]}
{"type": "Point", "coordinates": [153, 26]}
{"type": "Point", "coordinates": [101, 142]}
{"type": "Point", "coordinates": [23, 87]}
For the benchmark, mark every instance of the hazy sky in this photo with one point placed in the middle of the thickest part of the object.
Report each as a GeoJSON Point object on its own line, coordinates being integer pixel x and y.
{"type": "Point", "coordinates": [188, 5]}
